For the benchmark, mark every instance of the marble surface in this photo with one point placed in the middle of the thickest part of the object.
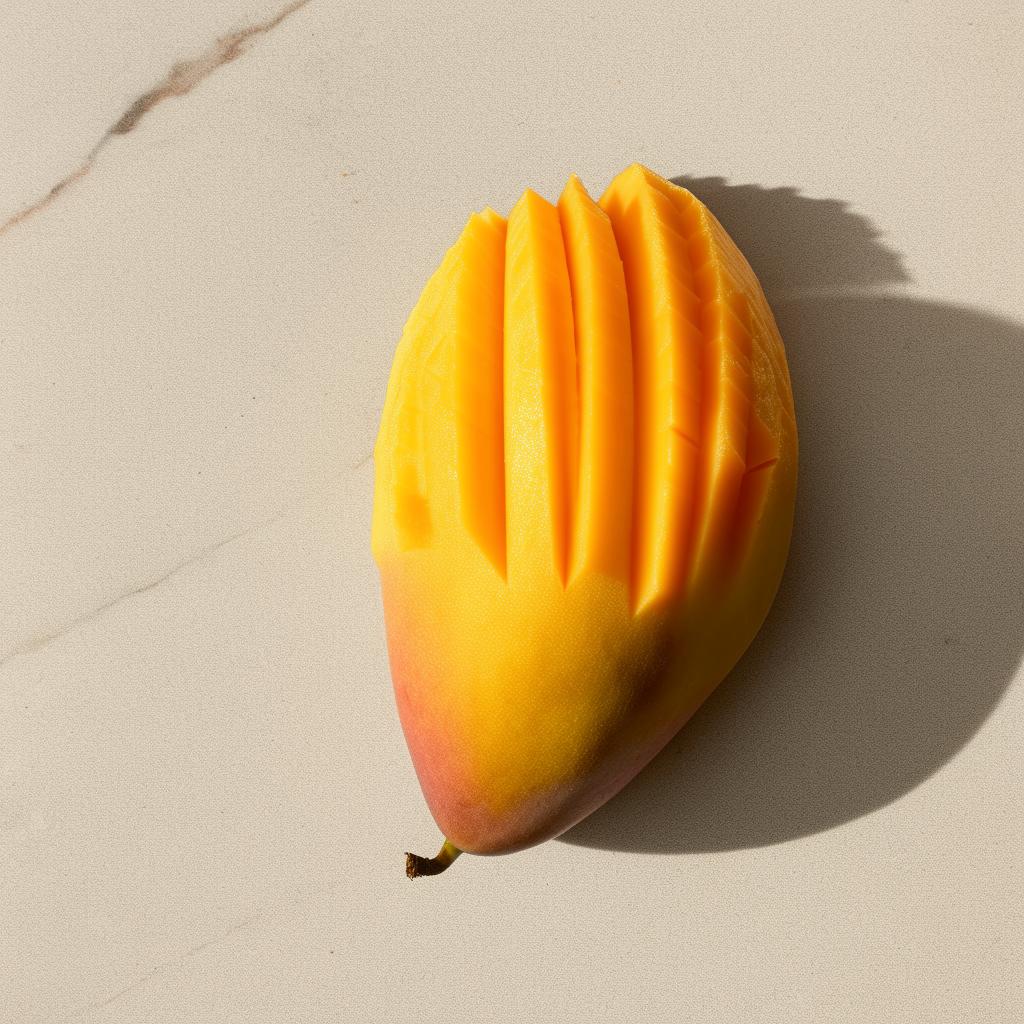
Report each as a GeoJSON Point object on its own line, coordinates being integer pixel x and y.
{"type": "Point", "coordinates": [213, 221]}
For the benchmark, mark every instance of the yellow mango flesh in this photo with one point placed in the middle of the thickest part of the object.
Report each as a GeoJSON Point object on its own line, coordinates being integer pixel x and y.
{"type": "Point", "coordinates": [602, 534]}
{"type": "Point", "coordinates": [585, 477]}
{"type": "Point", "coordinates": [541, 414]}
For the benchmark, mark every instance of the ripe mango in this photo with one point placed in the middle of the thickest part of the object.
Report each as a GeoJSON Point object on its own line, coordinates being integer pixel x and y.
{"type": "Point", "coordinates": [585, 479]}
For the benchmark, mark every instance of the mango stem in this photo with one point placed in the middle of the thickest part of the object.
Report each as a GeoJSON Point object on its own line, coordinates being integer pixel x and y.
{"type": "Point", "coordinates": [416, 866]}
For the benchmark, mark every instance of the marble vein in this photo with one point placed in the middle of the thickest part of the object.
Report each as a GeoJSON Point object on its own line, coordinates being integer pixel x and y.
{"type": "Point", "coordinates": [279, 913]}
{"type": "Point", "coordinates": [177, 961]}
{"type": "Point", "coordinates": [39, 642]}
{"type": "Point", "coordinates": [182, 78]}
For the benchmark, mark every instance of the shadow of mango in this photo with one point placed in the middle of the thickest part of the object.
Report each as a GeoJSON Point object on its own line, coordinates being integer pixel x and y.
{"type": "Point", "coordinates": [900, 621]}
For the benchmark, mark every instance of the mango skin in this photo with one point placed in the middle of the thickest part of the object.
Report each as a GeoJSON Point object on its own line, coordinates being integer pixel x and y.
{"type": "Point", "coordinates": [527, 702]}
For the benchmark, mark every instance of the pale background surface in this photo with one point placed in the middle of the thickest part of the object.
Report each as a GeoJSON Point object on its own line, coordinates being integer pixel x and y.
{"type": "Point", "coordinates": [204, 793]}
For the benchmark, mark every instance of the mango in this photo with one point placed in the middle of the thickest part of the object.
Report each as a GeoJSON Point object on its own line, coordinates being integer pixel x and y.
{"type": "Point", "coordinates": [585, 478]}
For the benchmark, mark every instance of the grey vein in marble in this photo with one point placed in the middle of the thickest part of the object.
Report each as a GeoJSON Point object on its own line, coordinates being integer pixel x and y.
{"type": "Point", "coordinates": [177, 961]}
{"type": "Point", "coordinates": [280, 912]}
{"type": "Point", "coordinates": [39, 642]}
{"type": "Point", "coordinates": [179, 81]}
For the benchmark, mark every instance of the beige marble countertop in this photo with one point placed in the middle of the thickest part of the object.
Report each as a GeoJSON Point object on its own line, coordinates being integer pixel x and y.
{"type": "Point", "coordinates": [215, 219]}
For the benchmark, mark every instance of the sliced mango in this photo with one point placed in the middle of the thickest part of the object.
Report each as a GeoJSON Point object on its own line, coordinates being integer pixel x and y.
{"type": "Point", "coordinates": [541, 408]}
{"type": "Point", "coordinates": [602, 530]}
{"type": "Point", "coordinates": [667, 361]}
{"type": "Point", "coordinates": [442, 422]}
{"type": "Point", "coordinates": [585, 480]}
{"type": "Point", "coordinates": [479, 384]}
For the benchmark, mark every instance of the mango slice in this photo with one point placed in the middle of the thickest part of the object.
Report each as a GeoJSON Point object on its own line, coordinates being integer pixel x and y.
{"type": "Point", "coordinates": [602, 532]}
{"type": "Point", "coordinates": [585, 479]}
{"type": "Point", "coordinates": [541, 407]}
